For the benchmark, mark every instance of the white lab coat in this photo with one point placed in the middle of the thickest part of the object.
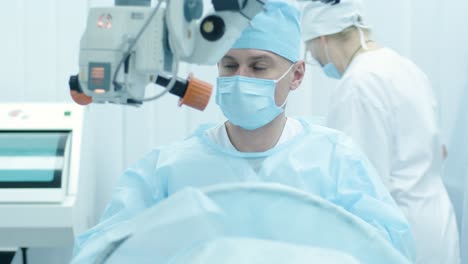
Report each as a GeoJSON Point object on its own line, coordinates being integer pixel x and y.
{"type": "Point", "coordinates": [386, 104]}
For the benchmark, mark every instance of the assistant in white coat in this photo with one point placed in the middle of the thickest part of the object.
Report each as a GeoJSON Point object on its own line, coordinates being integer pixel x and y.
{"type": "Point", "coordinates": [386, 104]}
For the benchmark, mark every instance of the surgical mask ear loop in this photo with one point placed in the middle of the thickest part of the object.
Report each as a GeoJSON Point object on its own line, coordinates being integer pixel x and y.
{"type": "Point", "coordinates": [310, 61]}
{"type": "Point", "coordinates": [285, 101]}
{"type": "Point", "coordinates": [282, 76]}
{"type": "Point", "coordinates": [327, 54]}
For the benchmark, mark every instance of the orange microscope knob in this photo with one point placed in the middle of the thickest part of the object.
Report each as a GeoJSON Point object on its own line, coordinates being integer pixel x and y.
{"type": "Point", "coordinates": [198, 93]}
{"type": "Point", "coordinates": [77, 93]}
{"type": "Point", "coordinates": [80, 98]}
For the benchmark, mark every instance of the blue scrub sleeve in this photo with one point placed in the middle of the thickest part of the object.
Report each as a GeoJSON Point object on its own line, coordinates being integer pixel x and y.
{"type": "Point", "coordinates": [137, 189]}
{"type": "Point", "coordinates": [361, 192]}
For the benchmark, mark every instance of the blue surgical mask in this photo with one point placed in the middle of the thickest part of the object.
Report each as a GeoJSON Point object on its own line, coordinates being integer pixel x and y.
{"type": "Point", "coordinates": [331, 71]}
{"type": "Point", "coordinates": [248, 102]}
{"type": "Point", "coordinates": [330, 68]}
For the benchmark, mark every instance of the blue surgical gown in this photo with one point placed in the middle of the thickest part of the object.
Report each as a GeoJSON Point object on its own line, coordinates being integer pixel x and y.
{"type": "Point", "coordinates": [319, 161]}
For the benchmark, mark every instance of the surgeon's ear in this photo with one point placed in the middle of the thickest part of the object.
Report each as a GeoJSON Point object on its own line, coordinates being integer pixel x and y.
{"type": "Point", "coordinates": [298, 75]}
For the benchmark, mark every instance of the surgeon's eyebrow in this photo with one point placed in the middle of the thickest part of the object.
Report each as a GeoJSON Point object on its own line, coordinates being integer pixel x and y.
{"type": "Point", "coordinates": [227, 57]}
{"type": "Point", "coordinates": [259, 58]}
{"type": "Point", "coordinates": [264, 58]}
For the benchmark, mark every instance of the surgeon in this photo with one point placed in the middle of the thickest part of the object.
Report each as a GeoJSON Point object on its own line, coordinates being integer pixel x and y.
{"type": "Point", "coordinates": [258, 142]}
{"type": "Point", "coordinates": [385, 103]}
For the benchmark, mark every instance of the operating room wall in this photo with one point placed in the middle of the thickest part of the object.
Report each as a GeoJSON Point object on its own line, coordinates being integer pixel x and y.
{"type": "Point", "coordinates": [40, 43]}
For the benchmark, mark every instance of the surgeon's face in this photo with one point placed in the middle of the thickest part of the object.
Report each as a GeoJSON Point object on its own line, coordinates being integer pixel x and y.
{"type": "Point", "coordinates": [262, 64]}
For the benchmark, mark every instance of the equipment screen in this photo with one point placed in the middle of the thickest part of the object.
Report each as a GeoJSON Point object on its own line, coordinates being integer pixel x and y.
{"type": "Point", "coordinates": [32, 159]}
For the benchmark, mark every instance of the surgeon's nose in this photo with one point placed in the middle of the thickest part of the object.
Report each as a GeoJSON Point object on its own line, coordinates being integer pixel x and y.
{"type": "Point", "coordinates": [244, 71]}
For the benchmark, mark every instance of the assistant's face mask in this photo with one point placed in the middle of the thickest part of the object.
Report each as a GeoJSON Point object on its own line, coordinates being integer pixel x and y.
{"type": "Point", "coordinates": [330, 68]}
{"type": "Point", "coordinates": [248, 102]}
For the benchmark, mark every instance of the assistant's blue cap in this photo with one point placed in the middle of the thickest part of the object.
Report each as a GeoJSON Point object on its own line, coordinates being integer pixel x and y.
{"type": "Point", "coordinates": [277, 29]}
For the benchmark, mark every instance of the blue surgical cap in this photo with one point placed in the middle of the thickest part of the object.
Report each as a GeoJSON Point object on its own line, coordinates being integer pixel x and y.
{"type": "Point", "coordinates": [277, 29]}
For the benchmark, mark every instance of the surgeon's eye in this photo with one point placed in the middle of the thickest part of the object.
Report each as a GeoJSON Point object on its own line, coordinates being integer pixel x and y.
{"type": "Point", "coordinates": [230, 66]}
{"type": "Point", "coordinates": [259, 67]}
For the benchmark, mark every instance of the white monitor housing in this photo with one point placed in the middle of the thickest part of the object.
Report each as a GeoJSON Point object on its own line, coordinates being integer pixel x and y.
{"type": "Point", "coordinates": [46, 183]}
